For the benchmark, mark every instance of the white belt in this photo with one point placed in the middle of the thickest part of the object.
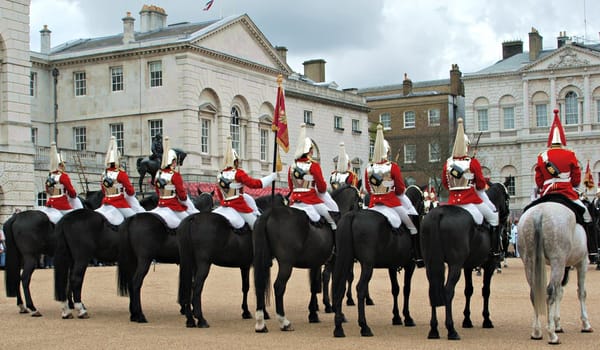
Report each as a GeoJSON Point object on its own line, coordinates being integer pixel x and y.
{"type": "Point", "coordinates": [555, 180]}
{"type": "Point", "coordinates": [235, 185]}
{"type": "Point", "coordinates": [57, 195]}
{"type": "Point", "coordinates": [302, 189]}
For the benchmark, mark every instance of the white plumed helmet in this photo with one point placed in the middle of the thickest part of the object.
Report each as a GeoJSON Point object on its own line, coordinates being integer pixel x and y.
{"type": "Point", "coordinates": [112, 154]}
{"type": "Point", "coordinates": [343, 159]}
{"type": "Point", "coordinates": [230, 155]}
{"type": "Point", "coordinates": [168, 153]}
{"type": "Point", "coordinates": [304, 143]}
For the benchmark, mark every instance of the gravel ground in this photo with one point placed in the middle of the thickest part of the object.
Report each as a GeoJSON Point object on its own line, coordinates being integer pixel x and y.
{"type": "Point", "coordinates": [109, 328]}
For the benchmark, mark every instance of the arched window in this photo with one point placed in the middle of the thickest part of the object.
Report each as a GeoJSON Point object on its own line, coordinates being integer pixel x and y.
{"type": "Point", "coordinates": [234, 129]}
{"type": "Point", "coordinates": [571, 108]}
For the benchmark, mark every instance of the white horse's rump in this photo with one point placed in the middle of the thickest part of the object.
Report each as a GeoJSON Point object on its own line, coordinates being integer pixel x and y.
{"type": "Point", "coordinates": [548, 234]}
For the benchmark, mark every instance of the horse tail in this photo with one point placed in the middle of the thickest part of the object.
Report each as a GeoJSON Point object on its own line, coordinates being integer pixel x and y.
{"type": "Point", "coordinates": [62, 263]}
{"type": "Point", "coordinates": [539, 267]}
{"type": "Point", "coordinates": [13, 261]}
{"type": "Point", "coordinates": [186, 259]}
{"type": "Point", "coordinates": [344, 259]}
{"type": "Point", "coordinates": [126, 262]}
{"type": "Point", "coordinates": [434, 256]}
{"type": "Point", "coordinates": [262, 257]}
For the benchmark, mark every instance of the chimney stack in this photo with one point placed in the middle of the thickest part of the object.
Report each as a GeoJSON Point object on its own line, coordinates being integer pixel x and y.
{"type": "Point", "coordinates": [128, 33]}
{"type": "Point", "coordinates": [45, 40]}
{"type": "Point", "coordinates": [315, 70]}
{"type": "Point", "coordinates": [456, 85]}
{"type": "Point", "coordinates": [562, 39]}
{"type": "Point", "coordinates": [535, 44]}
{"type": "Point", "coordinates": [152, 18]}
{"type": "Point", "coordinates": [511, 48]}
{"type": "Point", "coordinates": [406, 85]}
{"type": "Point", "coordinates": [282, 51]}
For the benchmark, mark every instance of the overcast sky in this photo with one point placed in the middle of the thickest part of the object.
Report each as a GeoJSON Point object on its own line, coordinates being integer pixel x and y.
{"type": "Point", "coordinates": [365, 42]}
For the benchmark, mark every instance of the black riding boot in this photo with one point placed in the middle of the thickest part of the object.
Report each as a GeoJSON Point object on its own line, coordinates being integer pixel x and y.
{"type": "Point", "coordinates": [416, 250]}
{"type": "Point", "coordinates": [495, 244]}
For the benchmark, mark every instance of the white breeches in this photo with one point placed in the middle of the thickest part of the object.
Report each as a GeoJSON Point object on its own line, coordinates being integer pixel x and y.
{"type": "Point", "coordinates": [407, 205]}
{"type": "Point", "coordinates": [403, 213]}
{"type": "Point", "coordinates": [490, 215]}
{"type": "Point", "coordinates": [323, 210]}
{"type": "Point", "coordinates": [484, 197]}
{"type": "Point", "coordinates": [328, 201]}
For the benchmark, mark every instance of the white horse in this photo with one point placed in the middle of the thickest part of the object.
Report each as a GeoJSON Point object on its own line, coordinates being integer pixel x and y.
{"type": "Point", "coordinates": [548, 234]}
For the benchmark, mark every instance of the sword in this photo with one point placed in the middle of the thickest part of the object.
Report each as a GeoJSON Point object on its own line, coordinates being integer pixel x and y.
{"type": "Point", "coordinates": [476, 146]}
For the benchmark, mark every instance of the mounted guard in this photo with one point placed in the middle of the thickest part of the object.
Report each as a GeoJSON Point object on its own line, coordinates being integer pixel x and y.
{"type": "Point", "coordinates": [173, 202]}
{"type": "Point", "coordinates": [463, 177]}
{"type": "Point", "coordinates": [119, 200]}
{"type": "Point", "coordinates": [306, 182]}
{"type": "Point", "coordinates": [343, 174]}
{"type": "Point", "coordinates": [62, 197]}
{"type": "Point", "coordinates": [237, 206]}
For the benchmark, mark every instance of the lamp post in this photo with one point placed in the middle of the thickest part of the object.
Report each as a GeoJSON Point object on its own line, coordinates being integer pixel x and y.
{"type": "Point", "coordinates": [55, 74]}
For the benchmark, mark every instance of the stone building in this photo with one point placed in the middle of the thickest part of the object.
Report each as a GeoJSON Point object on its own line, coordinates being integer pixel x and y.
{"type": "Point", "coordinates": [419, 121]}
{"type": "Point", "coordinates": [510, 104]}
{"type": "Point", "coordinates": [194, 82]}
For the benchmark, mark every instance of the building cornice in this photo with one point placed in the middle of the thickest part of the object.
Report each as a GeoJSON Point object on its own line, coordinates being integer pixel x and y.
{"type": "Point", "coordinates": [326, 100]}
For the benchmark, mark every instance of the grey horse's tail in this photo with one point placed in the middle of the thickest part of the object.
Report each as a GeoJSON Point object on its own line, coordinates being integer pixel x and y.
{"type": "Point", "coordinates": [539, 268]}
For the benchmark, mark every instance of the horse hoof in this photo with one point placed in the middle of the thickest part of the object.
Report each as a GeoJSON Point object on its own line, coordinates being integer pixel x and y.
{"type": "Point", "coordinates": [589, 330]}
{"type": "Point", "coordinates": [433, 334]}
{"type": "Point", "coordinates": [203, 324]}
{"type": "Point", "coordinates": [559, 330]}
{"type": "Point", "coordinates": [328, 309]}
{"type": "Point", "coordinates": [369, 302]}
{"type": "Point", "coordinates": [536, 338]}
{"type": "Point", "coordinates": [366, 332]}
{"type": "Point", "coordinates": [339, 333]}
{"type": "Point", "coordinates": [453, 336]}
{"type": "Point", "coordinates": [23, 311]}
{"type": "Point", "coordinates": [262, 330]}
{"type": "Point", "coordinates": [467, 324]}
{"type": "Point", "coordinates": [67, 317]}
{"type": "Point", "coordinates": [350, 302]}
{"type": "Point", "coordinates": [409, 322]}
{"type": "Point", "coordinates": [487, 324]}
{"type": "Point", "coordinates": [83, 316]}
{"type": "Point", "coordinates": [287, 328]}
{"type": "Point", "coordinates": [190, 324]}
{"type": "Point", "coordinates": [397, 321]}
{"type": "Point", "coordinates": [246, 315]}
{"type": "Point", "coordinates": [36, 314]}
{"type": "Point", "coordinates": [313, 318]}
{"type": "Point", "coordinates": [556, 342]}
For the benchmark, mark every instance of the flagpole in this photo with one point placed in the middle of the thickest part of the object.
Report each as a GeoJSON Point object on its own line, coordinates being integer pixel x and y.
{"type": "Point", "coordinates": [279, 81]}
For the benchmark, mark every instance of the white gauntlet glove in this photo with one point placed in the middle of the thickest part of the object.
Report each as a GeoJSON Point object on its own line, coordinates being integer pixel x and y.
{"type": "Point", "coordinates": [267, 180]}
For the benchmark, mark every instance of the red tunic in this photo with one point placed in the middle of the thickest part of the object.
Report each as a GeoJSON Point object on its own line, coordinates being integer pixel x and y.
{"type": "Point", "coordinates": [180, 194]}
{"type": "Point", "coordinates": [61, 202]}
{"type": "Point", "coordinates": [389, 199]}
{"type": "Point", "coordinates": [310, 196]}
{"type": "Point", "coordinates": [566, 162]}
{"type": "Point", "coordinates": [467, 196]}
{"type": "Point", "coordinates": [239, 203]}
{"type": "Point", "coordinates": [119, 201]}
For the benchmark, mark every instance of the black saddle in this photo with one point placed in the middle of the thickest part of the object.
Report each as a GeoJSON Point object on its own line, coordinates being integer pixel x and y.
{"type": "Point", "coordinates": [561, 199]}
{"type": "Point", "coordinates": [244, 230]}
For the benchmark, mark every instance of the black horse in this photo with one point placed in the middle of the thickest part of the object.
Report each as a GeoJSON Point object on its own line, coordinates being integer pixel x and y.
{"type": "Point", "coordinates": [593, 231]}
{"type": "Point", "coordinates": [145, 165]}
{"type": "Point", "coordinates": [144, 239]}
{"type": "Point", "coordinates": [286, 234]}
{"type": "Point", "coordinates": [450, 236]}
{"type": "Point", "coordinates": [83, 235]}
{"type": "Point", "coordinates": [367, 236]}
{"type": "Point", "coordinates": [29, 234]}
{"type": "Point", "coordinates": [208, 238]}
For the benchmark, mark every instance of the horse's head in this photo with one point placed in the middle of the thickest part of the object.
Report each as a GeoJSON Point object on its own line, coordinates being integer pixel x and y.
{"type": "Point", "coordinates": [347, 198]}
{"type": "Point", "coordinates": [498, 194]}
{"type": "Point", "coordinates": [204, 201]}
{"type": "Point", "coordinates": [180, 155]}
{"type": "Point", "coordinates": [416, 196]}
{"type": "Point", "coordinates": [93, 200]}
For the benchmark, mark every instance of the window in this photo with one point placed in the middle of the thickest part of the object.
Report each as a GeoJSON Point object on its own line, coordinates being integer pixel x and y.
{"type": "Point", "coordinates": [204, 135]}
{"type": "Point", "coordinates": [33, 84]}
{"type": "Point", "coordinates": [510, 180]}
{"type": "Point", "coordinates": [41, 199]}
{"type": "Point", "coordinates": [34, 136]}
{"type": "Point", "coordinates": [234, 130]}
{"type": "Point", "coordinates": [434, 117]}
{"type": "Point", "coordinates": [541, 115]}
{"type": "Point", "coordinates": [571, 109]}
{"type": "Point", "coordinates": [482, 119]}
{"type": "Point", "coordinates": [308, 118]}
{"type": "Point", "coordinates": [509, 118]}
{"type": "Point", "coordinates": [116, 76]}
{"type": "Point", "coordinates": [598, 111]}
{"type": "Point", "coordinates": [410, 154]}
{"type": "Point", "coordinates": [386, 121]}
{"type": "Point", "coordinates": [79, 138]}
{"type": "Point", "coordinates": [337, 123]}
{"type": "Point", "coordinates": [116, 130]}
{"type": "Point", "coordinates": [155, 69]}
{"type": "Point", "coordinates": [371, 148]}
{"type": "Point", "coordinates": [79, 78]}
{"type": "Point", "coordinates": [409, 119]}
{"type": "Point", "coordinates": [155, 127]}
{"type": "Point", "coordinates": [356, 126]}
{"type": "Point", "coordinates": [434, 152]}
{"type": "Point", "coordinates": [264, 144]}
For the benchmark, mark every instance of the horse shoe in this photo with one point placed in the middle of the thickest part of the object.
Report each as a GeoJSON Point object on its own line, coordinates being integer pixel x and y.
{"type": "Point", "coordinates": [36, 313]}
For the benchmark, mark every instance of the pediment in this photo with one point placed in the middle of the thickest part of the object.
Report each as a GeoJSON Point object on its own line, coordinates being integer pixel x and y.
{"type": "Point", "coordinates": [241, 38]}
{"type": "Point", "coordinates": [568, 56]}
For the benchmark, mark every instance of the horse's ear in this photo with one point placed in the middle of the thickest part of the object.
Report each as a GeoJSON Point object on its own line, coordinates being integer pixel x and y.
{"type": "Point", "coordinates": [199, 191]}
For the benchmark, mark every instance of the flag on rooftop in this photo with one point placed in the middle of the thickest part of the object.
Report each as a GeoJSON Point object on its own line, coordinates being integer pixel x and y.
{"type": "Point", "coordinates": [208, 4]}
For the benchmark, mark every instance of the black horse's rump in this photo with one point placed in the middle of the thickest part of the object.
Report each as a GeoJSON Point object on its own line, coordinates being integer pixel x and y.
{"type": "Point", "coordinates": [449, 236]}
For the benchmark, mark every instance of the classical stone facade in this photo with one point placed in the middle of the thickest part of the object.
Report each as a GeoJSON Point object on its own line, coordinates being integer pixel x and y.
{"type": "Point", "coordinates": [510, 104]}
{"type": "Point", "coordinates": [16, 151]}
{"type": "Point", "coordinates": [194, 82]}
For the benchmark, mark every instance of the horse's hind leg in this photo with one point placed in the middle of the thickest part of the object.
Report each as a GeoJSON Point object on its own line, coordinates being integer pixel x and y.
{"type": "Point", "coordinates": [283, 275]}
{"type": "Point", "coordinates": [326, 277]}
{"type": "Point", "coordinates": [245, 272]}
{"type": "Point", "coordinates": [452, 280]}
{"type": "Point", "coordinates": [76, 284]}
{"type": "Point", "coordinates": [408, 273]}
{"type": "Point", "coordinates": [315, 288]}
{"type": "Point", "coordinates": [29, 264]}
{"type": "Point", "coordinates": [467, 323]}
{"type": "Point", "coordinates": [135, 302]}
{"type": "Point", "coordinates": [488, 273]}
{"type": "Point", "coordinates": [586, 327]}
{"type": "Point", "coordinates": [199, 279]}
{"type": "Point", "coordinates": [366, 272]}
{"type": "Point", "coordinates": [553, 299]}
{"type": "Point", "coordinates": [396, 319]}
